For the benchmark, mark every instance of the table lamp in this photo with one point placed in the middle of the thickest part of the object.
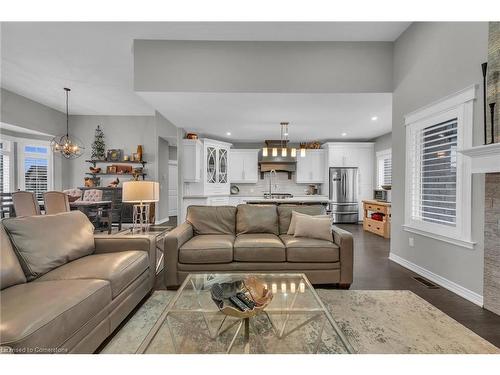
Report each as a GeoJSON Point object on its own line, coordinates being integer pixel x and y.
{"type": "Point", "coordinates": [142, 193]}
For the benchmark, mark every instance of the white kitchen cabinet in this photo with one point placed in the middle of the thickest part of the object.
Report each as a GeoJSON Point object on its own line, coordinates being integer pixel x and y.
{"type": "Point", "coordinates": [244, 166]}
{"type": "Point", "coordinates": [311, 168]}
{"type": "Point", "coordinates": [212, 162]}
{"type": "Point", "coordinates": [352, 154]}
{"type": "Point", "coordinates": [191, 160]}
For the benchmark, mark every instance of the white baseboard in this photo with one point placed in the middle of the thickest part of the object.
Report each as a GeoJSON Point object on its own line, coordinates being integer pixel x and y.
{"type": "Point", "coordinates": [445, 283]}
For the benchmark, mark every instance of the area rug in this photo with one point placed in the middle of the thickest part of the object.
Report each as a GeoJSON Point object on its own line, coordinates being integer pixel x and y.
{"type": "Point", "coordinates": [381, 321]}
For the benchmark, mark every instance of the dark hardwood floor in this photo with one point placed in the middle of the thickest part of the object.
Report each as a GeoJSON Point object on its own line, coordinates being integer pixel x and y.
{"type": "Point", "coordinates": [374, 271]}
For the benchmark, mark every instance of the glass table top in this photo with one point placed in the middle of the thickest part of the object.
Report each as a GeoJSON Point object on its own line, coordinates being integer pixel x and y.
{"type": "Point", "coordinates": [295, 321]}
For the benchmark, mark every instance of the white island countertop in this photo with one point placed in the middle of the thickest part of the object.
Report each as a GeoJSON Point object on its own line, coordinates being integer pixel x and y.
{"type": "Point", "coordinates": [303, 199]}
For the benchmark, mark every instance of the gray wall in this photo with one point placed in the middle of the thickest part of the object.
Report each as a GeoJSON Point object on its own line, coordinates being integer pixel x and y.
{"type": "Point", "coordinates": [21, 111]}
{"type": "Point", "coordinates": [222, 66]}
{"type": "Point", "coordinates": [383, 142]}
{"type": "Point", "coordinates": [172, 153]}
{"type": "Point", "coordinates": [25, 113]}
{"type": "Point", "coordinates": [121, 132]}
{"type": "Point", "coordinates": [167, 135]}
{"type": "Point", "coordinates": [158, 136]}
{"type": "Point", "coordinates": [163, 157]}
{"type": "Point", "coordinates": [431, 61]}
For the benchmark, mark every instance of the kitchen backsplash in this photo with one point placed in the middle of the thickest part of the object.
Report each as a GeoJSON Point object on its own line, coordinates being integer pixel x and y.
{"type": "Point", "coordinates": [284, 185]}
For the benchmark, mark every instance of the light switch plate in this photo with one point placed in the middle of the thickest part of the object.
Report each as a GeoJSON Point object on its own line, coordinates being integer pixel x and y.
{"type": "Point", "coordinates": [411, 241]}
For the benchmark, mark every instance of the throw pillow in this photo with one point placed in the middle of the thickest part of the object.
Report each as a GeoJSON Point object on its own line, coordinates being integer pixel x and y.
{"type": "Point", "coordinates": [293, 221]}
{"type": "Point", "coordinates": [314, 227]}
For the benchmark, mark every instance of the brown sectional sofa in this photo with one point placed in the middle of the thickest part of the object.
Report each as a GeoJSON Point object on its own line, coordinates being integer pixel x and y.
{"type": "Point", "coordinates": [252, 238]}
{"type": "Point", "coordinates": [64, 290]}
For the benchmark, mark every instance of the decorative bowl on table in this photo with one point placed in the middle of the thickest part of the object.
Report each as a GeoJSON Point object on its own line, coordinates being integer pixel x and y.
{"type": "Point", "coordinates": [386, 187]}
{"type": "Point", "coordinates": [253, 289]}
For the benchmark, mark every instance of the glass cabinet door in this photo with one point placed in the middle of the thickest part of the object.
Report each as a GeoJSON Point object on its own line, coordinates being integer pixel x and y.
{"type": "Point", "coordinates": [222, 166]}
{"type": "Point", "coordinates": [211, 165]}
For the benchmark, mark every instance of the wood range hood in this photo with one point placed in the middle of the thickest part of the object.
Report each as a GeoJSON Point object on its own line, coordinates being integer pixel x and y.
{"type": "Point", "coordinates": [278, 163]}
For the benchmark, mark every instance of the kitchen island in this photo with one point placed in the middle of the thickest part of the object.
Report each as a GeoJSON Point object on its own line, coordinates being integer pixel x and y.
{"type": "Point", "coordinates": [294, 200]}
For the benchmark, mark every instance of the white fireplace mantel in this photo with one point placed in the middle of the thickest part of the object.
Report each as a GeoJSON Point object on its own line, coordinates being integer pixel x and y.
{"type": "Point", "coordinates": [484, 159]}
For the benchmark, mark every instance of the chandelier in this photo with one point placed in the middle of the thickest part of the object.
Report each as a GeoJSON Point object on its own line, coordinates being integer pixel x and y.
{"type": "Point", "coordinates": [284, 145]}
{"type": "Point", "coordinates": [69, 147]}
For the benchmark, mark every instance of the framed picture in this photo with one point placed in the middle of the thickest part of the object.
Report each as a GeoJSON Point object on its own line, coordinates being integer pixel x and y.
{"type": "Point", "coordinates": [136, 157]}
{"type": "Point", "coordinates": [114, 155]}
{"type": "Point", "coordinates": [111, 169]}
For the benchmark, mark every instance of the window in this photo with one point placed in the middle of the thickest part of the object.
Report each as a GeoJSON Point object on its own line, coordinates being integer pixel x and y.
{"type": "Point", "coordinates": [6, 161]}
{"type": "Point", "coordinates": [384, 168]}
{"type": "Point", "coordinates": [438, 177]}
{"type": "Point", "coordinates": [35, 167]}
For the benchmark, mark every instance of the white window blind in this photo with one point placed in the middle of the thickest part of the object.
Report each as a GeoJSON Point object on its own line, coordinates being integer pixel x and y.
{"type": "Point", "coordinates": [384, 168]}
{"type": "Point", "coordinates": [35, 169]}
{"type": "Point", "coordinates": [5, 170]}
{"type": "Point", "coordinates": [434, 173]}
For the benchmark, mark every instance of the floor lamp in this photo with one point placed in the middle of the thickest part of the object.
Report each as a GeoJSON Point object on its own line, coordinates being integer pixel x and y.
{"type": "Point", "coordinates": [141, 193]}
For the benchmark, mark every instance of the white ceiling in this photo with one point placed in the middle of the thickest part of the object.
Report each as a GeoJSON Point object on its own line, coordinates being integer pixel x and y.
{"type": "Point", "coordinates": [95, 59]}
{"type": "Point", "coordinates": [255, 117]}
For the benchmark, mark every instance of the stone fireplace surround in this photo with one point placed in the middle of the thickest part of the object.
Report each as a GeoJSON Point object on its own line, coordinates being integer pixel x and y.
{"type": "Point", "coordinates": [486, 159]}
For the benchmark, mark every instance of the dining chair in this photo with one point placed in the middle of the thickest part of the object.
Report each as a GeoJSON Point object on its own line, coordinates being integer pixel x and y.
{"type": "Point", "coordinates": [56, 202]}
{"type": "Point", "coordinates": [25, 203]}
{"type": "Point", "coordinates": [92, 195]}
{"type": "Point", "coordinates": [73, 194]}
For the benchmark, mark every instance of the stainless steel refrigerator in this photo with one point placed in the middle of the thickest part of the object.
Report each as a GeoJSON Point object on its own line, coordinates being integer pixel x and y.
{"type": "Point", "coordinates": [344, 194]}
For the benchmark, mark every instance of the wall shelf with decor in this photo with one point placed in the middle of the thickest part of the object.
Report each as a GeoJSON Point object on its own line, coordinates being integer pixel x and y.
{"type": "Point", "coordinates": [94, 162]}
{"type": "Point", "coordinates": [116, 174]}
{"type": "Point", "coordinates": [116, 168]}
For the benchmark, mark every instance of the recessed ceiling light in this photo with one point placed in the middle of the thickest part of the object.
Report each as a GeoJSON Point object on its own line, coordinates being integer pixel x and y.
{"type": "Point", "coordinates": [228, 133]}
{"type": "Point", "coordinates": [374, 118]}
{"type": "Point", "coordinates": [343, 134]}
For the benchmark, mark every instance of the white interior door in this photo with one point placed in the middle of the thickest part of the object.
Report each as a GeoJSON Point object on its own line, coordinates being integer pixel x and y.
{"type": "Point", "coordinates": [172, 188]}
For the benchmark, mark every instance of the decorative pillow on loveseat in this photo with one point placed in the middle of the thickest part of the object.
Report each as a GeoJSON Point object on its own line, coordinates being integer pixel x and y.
{"type": "Point", "coordinates": [293, 221]}
{"type": "Point", "coordinates": [45, 242]}
{"type": "Point", "coordinates": [313, 227]}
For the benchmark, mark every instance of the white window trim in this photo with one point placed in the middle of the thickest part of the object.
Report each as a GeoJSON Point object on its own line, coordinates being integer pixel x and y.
{"type": "Point", "coordinates": [459, 105]}
{"type": "Point", "coordinates": [383, 154]}
{"type": "Point", "coordinates": [20, 143]}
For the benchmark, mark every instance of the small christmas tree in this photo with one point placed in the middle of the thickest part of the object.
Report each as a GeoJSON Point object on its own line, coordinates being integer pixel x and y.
{"type": "Point", "coordinates": [98, 146]}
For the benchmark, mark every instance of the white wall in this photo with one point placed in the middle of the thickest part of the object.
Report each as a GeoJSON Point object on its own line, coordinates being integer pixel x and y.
{"type": "Point", "coordinates": [432, 60]}
{"type": "Point", "coordinates": [223, 66]}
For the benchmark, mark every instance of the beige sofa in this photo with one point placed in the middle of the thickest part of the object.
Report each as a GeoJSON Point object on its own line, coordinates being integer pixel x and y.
{"type": "Point", "coordinates": [64, 290]}
{"type": "Point", "coordinates": [252, 238]}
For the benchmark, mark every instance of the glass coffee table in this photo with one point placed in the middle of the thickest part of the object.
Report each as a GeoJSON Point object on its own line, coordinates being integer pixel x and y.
{"type": "Point", "coordinates": [296, 321]}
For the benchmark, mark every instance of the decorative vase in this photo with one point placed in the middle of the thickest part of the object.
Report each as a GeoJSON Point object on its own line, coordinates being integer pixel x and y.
{"type": "Point", "coordinates": [139, 152]}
